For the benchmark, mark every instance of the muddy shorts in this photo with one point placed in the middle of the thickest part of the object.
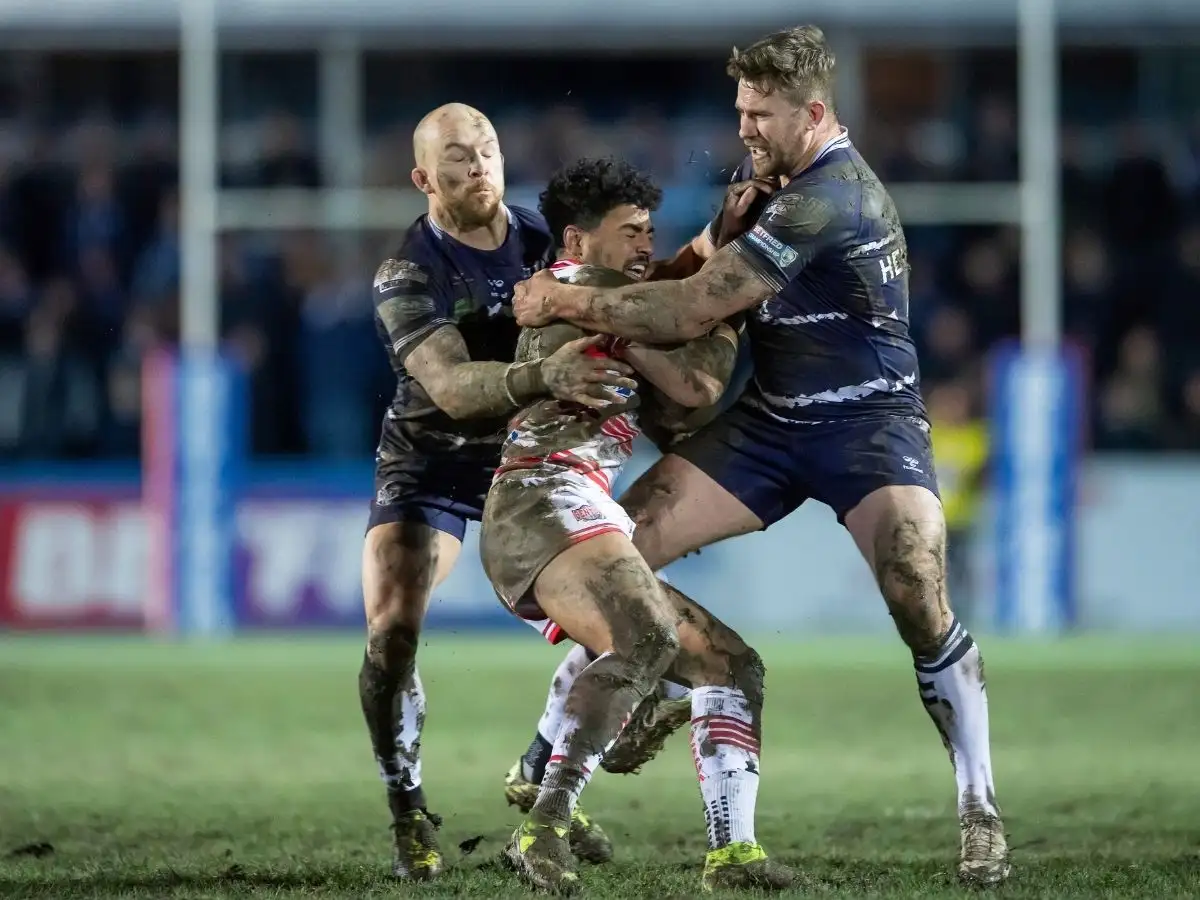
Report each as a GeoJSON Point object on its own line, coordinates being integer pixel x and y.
{"type": "Point", "coordinates": [530, 517]}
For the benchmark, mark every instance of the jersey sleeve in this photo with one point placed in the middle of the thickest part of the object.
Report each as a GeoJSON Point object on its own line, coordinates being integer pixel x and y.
{"type": "Point", "coordinates": [795, 226]}
{"type": "Point", "coordinates": [408, 304]}
{"type": "Point", "coordinates": [744, 172]}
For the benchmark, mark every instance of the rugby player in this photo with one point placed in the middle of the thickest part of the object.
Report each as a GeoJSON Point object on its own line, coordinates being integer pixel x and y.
{"type": "Point", "coordinates": [442, 310]}
{"type": "Point", "coordinates": [834, 412]}
{"type": "Point", "coordinates": [558, 551]}
{"type": "Point", "coordinates": [587, 193]}
{"type": "Point", "coordinates": [601, 208]}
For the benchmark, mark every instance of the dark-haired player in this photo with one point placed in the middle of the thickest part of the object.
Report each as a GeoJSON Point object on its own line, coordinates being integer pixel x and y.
{"type": "Point", "coordinates": [588, 203]}
{"type": "Point", "coordinates": [558, 550]}
{"type": "Point", "coordinates": [834, 412]}
{"type": "Point", "coordinates": [600, 209]}
{"type": "Point", "coordinates": [442, 310]}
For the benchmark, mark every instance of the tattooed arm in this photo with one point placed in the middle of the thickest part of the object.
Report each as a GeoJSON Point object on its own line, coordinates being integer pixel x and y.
{"type": "Point", "coordinates": [693, 375]}
{"type": "Point", "coordinates": [796, 226]}
{"type": "Point", "coordinates": [471, 390]}
{"type": "Point", "coordinates": [423, 338]}
{"type": "Point", "coordinates": [658, 312]}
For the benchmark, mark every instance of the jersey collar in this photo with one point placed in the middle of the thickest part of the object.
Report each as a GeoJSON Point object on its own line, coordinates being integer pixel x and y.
{"type": "Point", "coordinates": [839, 141]}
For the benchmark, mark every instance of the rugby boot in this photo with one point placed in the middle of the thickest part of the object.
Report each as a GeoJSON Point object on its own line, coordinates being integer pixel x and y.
{"type": "Point", "coordinates": [984, 858]}
{"type": "Point", "coordinates": [541, 855]}
{"type": "Point", "coordinates": [743, 865]}
{"type": "Point", "coordinates": [655, 720]}
{"type": "Point", "coordinates": [587, 838]}
{"type": "Point", "coordinates": [417, 856]}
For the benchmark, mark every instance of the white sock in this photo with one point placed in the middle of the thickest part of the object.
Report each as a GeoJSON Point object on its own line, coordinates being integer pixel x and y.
{"type": "Point", "coordinates": [565, 778]}
{"type": "Point", "coordinates": [725, 747]}
{"type": "Point", "coordinates": [402, 772]}
{"type": "Point", "coordinates": [533, 765]}
{"type": "Point", "coordinates": [952, 687]}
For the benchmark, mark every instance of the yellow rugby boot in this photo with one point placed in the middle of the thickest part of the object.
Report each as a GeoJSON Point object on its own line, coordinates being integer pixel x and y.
{"type": "Point", "coordinates": [588, 840]}
{"type": "Point", "coordinates": [744, 865]}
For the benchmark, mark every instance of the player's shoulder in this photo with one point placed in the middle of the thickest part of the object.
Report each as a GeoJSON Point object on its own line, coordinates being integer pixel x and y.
{"type": "Point", "coordinates": [808, 204]}
{"type": "Point", "coordinates": [535, 232]}
{"type": "Point", "coordinates": [411, 265]}
{"type": "Point", "coordinates": [530, 220]}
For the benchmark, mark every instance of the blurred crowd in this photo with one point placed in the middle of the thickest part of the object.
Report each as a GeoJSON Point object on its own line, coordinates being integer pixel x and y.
{"type": "Point", "coordinates": [89, 263]}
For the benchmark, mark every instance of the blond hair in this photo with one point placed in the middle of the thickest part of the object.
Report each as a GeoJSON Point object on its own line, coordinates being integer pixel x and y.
{"type": "Point", "coordinates": [796, 62]}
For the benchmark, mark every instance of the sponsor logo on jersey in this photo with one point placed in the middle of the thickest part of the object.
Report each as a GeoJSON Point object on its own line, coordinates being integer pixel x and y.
{"type": "Point", "coordinates": [586, 513]}
{"type": "Point", "coordinates": [771, 247]}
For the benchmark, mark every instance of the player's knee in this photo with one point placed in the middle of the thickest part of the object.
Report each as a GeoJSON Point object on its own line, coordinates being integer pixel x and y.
{"type": "Point", "coordinates": [653, 648]}
{"type": "Point", "coordinates": [910, 566]}
{"type": "Point", "coordinates": [396, 613]}
{"type": "Point", "coordinates": [913, 585]}
{"type": "Point", "coordinates": [391, 651]}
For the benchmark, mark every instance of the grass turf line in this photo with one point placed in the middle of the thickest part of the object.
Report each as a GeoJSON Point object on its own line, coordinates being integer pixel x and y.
{"type": "Point", "coordinates": [243, 770]}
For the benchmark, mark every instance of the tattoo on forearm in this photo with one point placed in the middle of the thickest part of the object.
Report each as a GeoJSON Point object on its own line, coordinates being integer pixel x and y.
{"type": "Point", "coordinates": [642, 312]}
{"type": "Point", "coordinates": [706, 363]}
{"type": "Point", "coordinates": [676, 310]}
{"type": "Point", "coordinates": [469, 390]}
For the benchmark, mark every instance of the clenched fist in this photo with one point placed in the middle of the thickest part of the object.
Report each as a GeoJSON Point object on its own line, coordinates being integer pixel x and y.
{"type": "Point", "coordinates": [533, 299]}
{"type": "Point", "coordinates": [744, 203]}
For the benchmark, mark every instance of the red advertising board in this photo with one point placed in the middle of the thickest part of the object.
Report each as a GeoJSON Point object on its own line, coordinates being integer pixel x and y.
{"type": "Point", "coordinates": [71, 563]}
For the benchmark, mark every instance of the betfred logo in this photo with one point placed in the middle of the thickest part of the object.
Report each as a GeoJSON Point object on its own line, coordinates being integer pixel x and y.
{"type": "Point", "coordinates": [73, 563]}
{"type": "Point", "coordinates": [586, 513]}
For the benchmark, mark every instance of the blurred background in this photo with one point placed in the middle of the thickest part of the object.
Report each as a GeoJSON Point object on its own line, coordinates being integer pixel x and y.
{"type": "Point", "coordinates": [314, 108]}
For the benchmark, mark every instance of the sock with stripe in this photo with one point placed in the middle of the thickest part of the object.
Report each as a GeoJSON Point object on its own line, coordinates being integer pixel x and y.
{"type": "Point", "coordinates": [953, 689]}
{"type": "Point", "coordinates": [599, 704]}
{"type": "Point", "coordinates": [725, 748]}
{"type": "Point", "coordinates": [533, 763]}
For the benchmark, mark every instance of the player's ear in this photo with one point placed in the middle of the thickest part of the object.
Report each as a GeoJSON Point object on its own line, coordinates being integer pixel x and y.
{"type": "Point", "coordinates": [573, 240]}
{"type": "Point", "coordinates": [816, 112]}
{"type": "Point", "coordinates": [420, 180]}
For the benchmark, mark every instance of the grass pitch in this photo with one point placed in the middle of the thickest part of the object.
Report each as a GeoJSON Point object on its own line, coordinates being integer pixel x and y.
{"type": "Point", "coordinates": [243, 770]}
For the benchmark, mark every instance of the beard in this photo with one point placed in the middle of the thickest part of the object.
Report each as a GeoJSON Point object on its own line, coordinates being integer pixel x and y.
{"type": "Point", "coordinates": [768, 164]}
{"type": "Point", "coordinates": [474, 208]}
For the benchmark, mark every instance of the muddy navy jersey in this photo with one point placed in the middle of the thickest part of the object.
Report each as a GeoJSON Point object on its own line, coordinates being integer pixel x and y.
{"type": "Point", "coordinates": [833, 343]}
{"type": "Point", "coordinates": [433, 281]}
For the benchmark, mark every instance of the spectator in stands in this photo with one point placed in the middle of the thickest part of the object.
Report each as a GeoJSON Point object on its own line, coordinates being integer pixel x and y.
{"type": "Point", "coordinates": [1087, 287]}
{"type": "Point", "coordinates": [1185, 432]}
{"type": "Point", "coordinates": [61, 401]}
{"type": "Point", "coordinates": [94, 200]}
{"type": "Point", "coordinates": [989, 290]}
{"type": "Point", "coordinates": [16, 299]}
{"type": "Point", "coordinates": [1131, 414]}
{"type": "Point", "coordinates": [1179, 309]}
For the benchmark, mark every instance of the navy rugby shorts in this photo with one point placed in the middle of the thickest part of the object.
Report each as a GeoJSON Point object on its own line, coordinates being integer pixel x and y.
{"type": "Point", "coordinates": [773, 466]}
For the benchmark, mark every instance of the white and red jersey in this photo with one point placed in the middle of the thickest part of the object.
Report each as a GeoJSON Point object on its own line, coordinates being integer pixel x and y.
{"type": "Point", "coordinates": [554, 434]}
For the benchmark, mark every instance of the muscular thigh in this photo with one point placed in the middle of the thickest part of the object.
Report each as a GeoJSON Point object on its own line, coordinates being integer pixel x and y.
{"type": "Point", "coordinates": [603, 594]}
{"type": "Point", "coordinates": [402, 563]}
{"type": "Point", "coordinates": [677, 508]}
{"type": "Point", "coordinates": [896, 523]}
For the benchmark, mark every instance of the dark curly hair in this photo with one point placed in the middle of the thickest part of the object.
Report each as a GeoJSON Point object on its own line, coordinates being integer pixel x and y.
{"type": "Point", "coordinates": [584, 192]}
